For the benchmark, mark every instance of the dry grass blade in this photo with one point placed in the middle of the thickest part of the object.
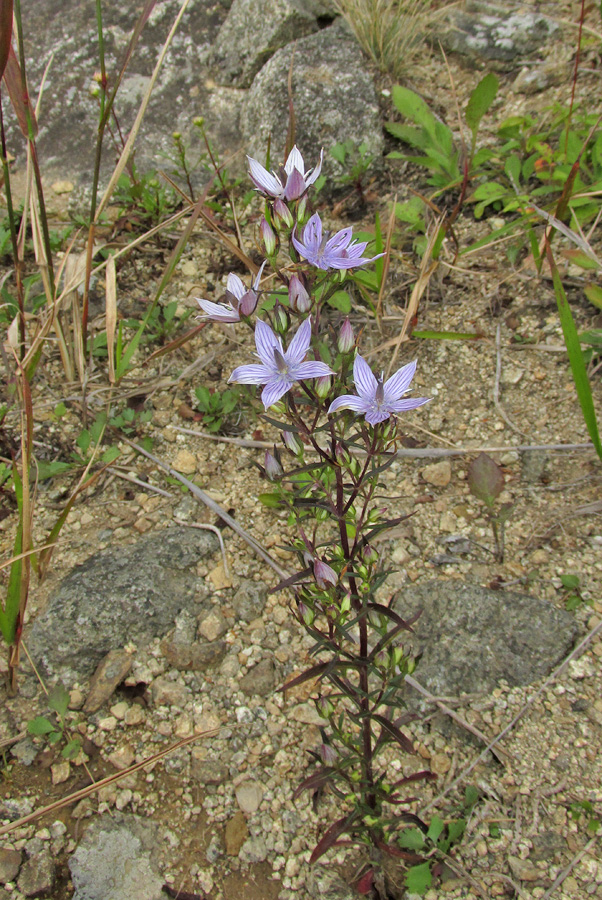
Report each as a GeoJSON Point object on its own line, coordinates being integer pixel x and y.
{"type": "Point", "coordinates": [129, 145]}
{"type": "Point", "coordinates": [215, 507]}
{"type": "Point", "coordinates": [386, 262]}
{"type": "Point", "coordinates": [92, 788]}
{"type": "Point", "coordinates": [111, 314]}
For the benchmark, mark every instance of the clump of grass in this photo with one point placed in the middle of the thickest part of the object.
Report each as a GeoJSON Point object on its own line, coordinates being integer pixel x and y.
{"type": "Point", "coordinates": [389, 31]}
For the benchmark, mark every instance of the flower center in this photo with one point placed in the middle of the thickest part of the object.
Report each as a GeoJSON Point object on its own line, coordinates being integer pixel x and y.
{"type": "Point", "coordinates": [379, 395]}
{"type": "Point", "coordinates": [281, 363]}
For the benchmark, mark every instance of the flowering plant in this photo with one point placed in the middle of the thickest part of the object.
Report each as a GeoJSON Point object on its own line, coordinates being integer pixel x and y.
{"type": "Point", "coordinates": [339, 430]}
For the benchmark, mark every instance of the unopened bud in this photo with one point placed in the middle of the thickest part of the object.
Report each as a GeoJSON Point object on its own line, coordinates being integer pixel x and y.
{"type": "Point", "coordinates": [341, 454]}
{"type": "Point", "coordinates": [273, 469]}
{"type": "Point", "coordinates": [322, 386]}
{"type": "Point", "coordinates": [292, 442]}
{"type": "Point", "coordinates": [382, 659]}
{"type": "Point", "coordinates": [346, 603]}
{"type": "Point", "coordinates": [269, 238]}
{"type": "Point", "coordinates": [306, 613]}
{"type": "Point", "coordinates": [369, 555]}
{"type": "Point", "coordinates": [281, 321]}
{"type": "Point", "coordinates": [346, 341]}
{"type": "Point", "coordinates": [176, 135]}
{"type": "Point", "coordinates": [324, 707]}
{"type": "Point", "coordinates": [324, 575]}
{"type": "Point", "coordinates": [298, 297]}
{"type": "Point", "coordinates": [329, 755]}
{"type": "Point", "coordinates": [282, 213]}
{"type": "Point", "coordinates": [396, 655]}
{"type": "Point", "coordinates": [302, 210]}
{"type": "Point", "coordinates": [199, 121]}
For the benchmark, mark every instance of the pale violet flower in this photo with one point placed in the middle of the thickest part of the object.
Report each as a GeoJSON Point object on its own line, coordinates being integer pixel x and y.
{"type": "Point", "coordinates": [279, 368]}
{"type": "Point", "coordinates": [290, 182]}
{"type": "Point", "coordinates": [239, 300]}
{"type": "Point", "coordinates": [336, 252]}
{"type": "Point", "coordinates": [377, 399]}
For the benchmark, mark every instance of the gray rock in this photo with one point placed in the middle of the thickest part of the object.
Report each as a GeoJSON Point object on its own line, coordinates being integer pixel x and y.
{"type": "Point", "coordinates": [169, 693]}
{"type": "Point", "coordinates": [121, 594]}
{"type": "Point", "coordinates": [253, 851]}
{"type": "Point", "coordinates": [260, 680]}
{"type": "Point", "coordinates": [484, 32]}
{"type": "Point", "coordinates": [196, 656]}
{"type": "Point", "coordinates": [25, 751]}
{"type": "Point", "coordinates": [470, 637]}
{"type": "Point", "coordinates": [37, 875]}
{"type": "Point", "coordinates": [10, 863]}
{"type": "Point", "coordinates": [548, 846]}
{"type": "Point", "coordinates": [249, 600]}
{"type": "Point", "coordinates": [209, 771]}
{"type": "Point", "coordinates": [251, 34]}
{"type": "Point", "coordinates": [68, 31]}
{"type": "Point", "coordinates": [115, 860]}
{"type": "Point", "coordinates": [334, 96]}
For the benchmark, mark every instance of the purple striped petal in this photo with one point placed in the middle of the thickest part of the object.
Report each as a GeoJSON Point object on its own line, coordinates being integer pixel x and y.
{"type": "Point", "coordinates": [410, 403]}
{"type": "Point", "coordinates": [299, 345]}
{"type": "Point", "coordinates": [266, 341]}
{"type": "Point", "coordinates": [294, 161]}
{"type": "Point", "coordinates": [312, 175]}
{"type": "Point", "coordinates": [274, 390]}
{"type": "Point", "coordinates": [251, 374]}
{"type": "Point", "coordinates": [310, 370]}
{"type": "Point", "coordinates": [312, 233]}
{"type": "Point", "coordinates": [235, 285]}
{"type": "Point", "coordinates": [377, 414]}
{"type": "Point", "coordinates": [295, 186]}
{"type": "Point", "coordinates": [349, 401]}
{"type": "Point", "coordinates": [263, 179]}
{"type": "Point", "coordinates": [217, 312]}
{"type": "Point", "coordinates": [257, 278]}
{"type": "Point", "coordinates": [397, 385]}
{"type": "Point", "coordinates": [364, 379]}
{"type": "Point", "coordinates": [339, 242]}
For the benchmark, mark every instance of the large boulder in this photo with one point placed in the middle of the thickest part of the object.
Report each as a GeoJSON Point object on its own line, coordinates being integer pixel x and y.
{"type": "Point", "coordinates": [469, 637]}
{"type": "Point", "coordinates": [123, 594]}
{"type": "Point", "coordinates": [333, 93]}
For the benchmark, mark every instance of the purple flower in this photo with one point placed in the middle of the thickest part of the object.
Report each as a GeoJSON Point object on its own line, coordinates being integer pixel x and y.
{"type": "Point", "coordinates": [377, 399]}
{"type": "Point", "coordinates": [324, 574]}
{"type": "Point", "coordinates": [291, 181]}
{"type": "Point", "coordinates": [337, 252]}
{"type": "Point", "coordinates": [279, 368]}
{"type": "Point", "coordinates": [239, 300]}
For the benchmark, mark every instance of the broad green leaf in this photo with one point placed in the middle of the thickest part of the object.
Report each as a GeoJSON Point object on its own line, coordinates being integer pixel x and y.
{"type": "Point", "coordinates": [270, 500]}
{"type": "Point", "coordinates": [436, 827]}
{"type": "Point", "coordinates": [413, 107]}
{"type": "Point", "coordinates": [571, 582]}
{"type": "Point", "coordinates": [58, 699]}
{"type": "Point", "coordinates": [512, 168]}
{"type": "Point", "coordinates": [485, 479]}
{"type": "Point", "coordinates": [419, 878]}
{"type": "Point", "coordinates": [40, 725]}
{"type": "Point", "coordinates": [83, 440]}
{"type": "Point", "coordinates": [411, 839]}
{"type": "Point", "coordinates": [110, 454]}
{"type": "Point", "coordinates": [340, 300]}
{"type": "Point", "coordinates": [71, 749]}
{"type": "Point", "coordinates": [480, 100]}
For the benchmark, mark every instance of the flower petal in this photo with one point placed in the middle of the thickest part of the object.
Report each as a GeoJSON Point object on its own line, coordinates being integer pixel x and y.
{"type": "Point", "coordinates": [310, 370]}
{"type": "Point", "coordinates": [294, 161]}
{"type": "Point", "coordinates": [312, 233]}
{"type": "Point", "coordinates": [409, 403]}
{"type": "Point", "coordinates": [397, 385]}
{"type": "Point", "coordinates": [299, 345]}
{"type": "Point", "coordinates": [339, 241]}
{"type": "Point", "coordinates": [364, 379]}
{"type": "Point", "coordinates": [264, 180]}
{"type": "Point", "coordinates": [348, 401]}
{"type": "Point", "coordinates": [235, 285]}
{"type": "Point", "coordinates": [313, 174]}
{"type": "Point", "coordinates": [217, 312]}
{"type": "Point", "coordinates": [377, 414]}
{"type": "Point", "coordinates": [251, 374]}
{"type": "Point", "coordinates": [266, 342]}
{"type": "Point", "coordinates": [295, 186]}
{"type": "Point", "coordinates": [274, 390]}
{"type": "Point", "coordinates": [257, 278]}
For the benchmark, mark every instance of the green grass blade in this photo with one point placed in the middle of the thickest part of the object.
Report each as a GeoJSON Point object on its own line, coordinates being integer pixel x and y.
{"type": "Point", "coordinates": [577, 363]}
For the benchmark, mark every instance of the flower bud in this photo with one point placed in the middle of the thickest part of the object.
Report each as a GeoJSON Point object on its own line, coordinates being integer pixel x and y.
{"type": "Point", "coordinates": [177, 136]}
{"type": "Point", "coordinates": [324, 707]}
{"type": "Point", "coordinates": [396, 655]}
{"type": "Point", "coordinates": [199, 121]}
{"type": "Point", "coordinates": [346, 603]}
{"type": "Point", "coordinates": [322, 386]}
{"type": "Point", "coordinates": [273, 469]}
{"type": "Point", "coordinates": [306, 613]}
{"type": "Point", "coordinates": [302, 210]}
{"type": "Point", "coordinates": [281, 321]}
{"type": "Point", "coordinates": [346, 341]}
{"type": "Point", "coordinates": [247, 303]}
{"type": "Point", "coordinates": [282, 214]}
{"type": "Point", "coordinates": [292, 442]}
{"type": "Point", "coordinates": [298, 297]}
{"type": "Point", "coordinates": [324, 575]}
{"type": "Point", "coordinates": [341, 454]}
{"type": "Point", "coordinates": [369, 555]}
{"type": "Point", "coordinates": [269, 238]}
{"type": "Point", "coordinates": [382, 659]}
{"type": "Point", "coordinates": [329, 755]}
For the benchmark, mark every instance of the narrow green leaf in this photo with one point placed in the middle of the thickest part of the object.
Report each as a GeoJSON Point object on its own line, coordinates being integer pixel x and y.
{"type": "Point", "coordinates": [480, 100]}
{"type": "Point", "coordinates": [58, 699]}
{"type": "Point", "coordinates": [577, 363]}
{"type": "Point", "coordinates": [413, 107]}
